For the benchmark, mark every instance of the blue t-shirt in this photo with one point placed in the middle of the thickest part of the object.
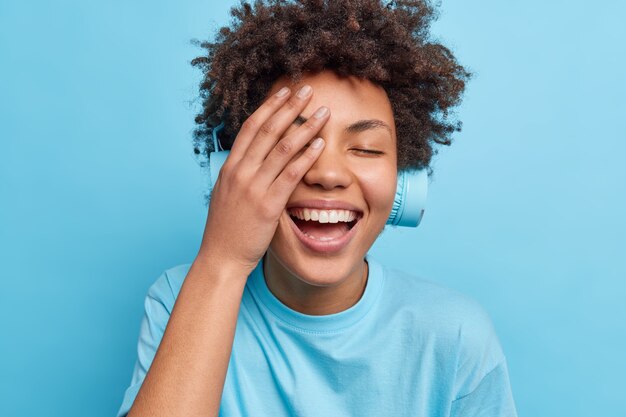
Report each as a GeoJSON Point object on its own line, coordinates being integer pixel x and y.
{"type": "Point", "coordinates": [408, 347]}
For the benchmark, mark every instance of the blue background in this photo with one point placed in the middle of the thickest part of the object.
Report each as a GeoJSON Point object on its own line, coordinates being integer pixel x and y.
{"type": "Point", "coordinates": [100, 192]}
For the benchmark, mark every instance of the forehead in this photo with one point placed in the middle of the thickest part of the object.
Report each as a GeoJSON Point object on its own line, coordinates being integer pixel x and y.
{"type": "Point", "coordinates": [348, 98]}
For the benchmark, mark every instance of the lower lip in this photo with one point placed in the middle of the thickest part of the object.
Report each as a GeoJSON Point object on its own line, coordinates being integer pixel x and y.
{"type": "Point", "coordinates": [327, 246]}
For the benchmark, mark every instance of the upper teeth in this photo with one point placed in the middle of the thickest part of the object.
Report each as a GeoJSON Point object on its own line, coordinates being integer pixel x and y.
{"type": "Point", "coordinates": [323, 216]}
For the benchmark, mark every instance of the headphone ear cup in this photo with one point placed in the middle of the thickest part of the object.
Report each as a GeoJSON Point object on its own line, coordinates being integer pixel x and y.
{"type": "Point", "coordinates": [216, 160]}
{"type": "Point", "coordinates": [410, 200]}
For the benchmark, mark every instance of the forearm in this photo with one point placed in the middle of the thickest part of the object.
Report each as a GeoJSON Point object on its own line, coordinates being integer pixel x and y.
{"type": "Point", "coordinates": [187, 375]}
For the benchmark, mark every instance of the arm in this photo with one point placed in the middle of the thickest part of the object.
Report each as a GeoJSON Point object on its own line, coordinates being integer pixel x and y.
{"type": "Point", "coordinates": [188, 372]}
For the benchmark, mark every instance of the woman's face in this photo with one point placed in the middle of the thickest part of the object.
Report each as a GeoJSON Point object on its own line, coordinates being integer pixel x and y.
{"type": "Point", "coordinates": [357, 167]}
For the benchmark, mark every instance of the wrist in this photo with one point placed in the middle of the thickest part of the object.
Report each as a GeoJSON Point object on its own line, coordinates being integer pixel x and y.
{"type": "Point", "coordinates": [209, 263]}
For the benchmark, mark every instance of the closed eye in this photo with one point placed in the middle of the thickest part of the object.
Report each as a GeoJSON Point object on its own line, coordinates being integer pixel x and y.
{"type": "Point", "coordinates": [368, 151]}
{"type": "Point", "coordinates": [365, 151]}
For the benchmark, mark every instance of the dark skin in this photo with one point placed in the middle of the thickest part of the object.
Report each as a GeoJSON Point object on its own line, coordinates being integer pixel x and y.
{"type": "Point", "coordinates": [358, 165]}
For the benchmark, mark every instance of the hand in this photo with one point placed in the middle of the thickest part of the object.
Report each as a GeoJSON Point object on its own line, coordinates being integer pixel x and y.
{"type": "Point", "coordinates": [258, 177]}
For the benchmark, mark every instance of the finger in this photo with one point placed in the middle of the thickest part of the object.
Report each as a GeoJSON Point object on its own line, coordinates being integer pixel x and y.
{"type": "Point", "coordinates": [276, 125]}
{"type": "Point", "coordinates": [283, 186]}
{"type": "Point", "coordinates": [289, 146]}
{"type": "Point", "coordinates": [253, 123]}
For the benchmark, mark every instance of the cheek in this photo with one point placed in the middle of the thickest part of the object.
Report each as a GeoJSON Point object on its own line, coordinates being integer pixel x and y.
{"type": "Point", "coordinates": [379, 187]}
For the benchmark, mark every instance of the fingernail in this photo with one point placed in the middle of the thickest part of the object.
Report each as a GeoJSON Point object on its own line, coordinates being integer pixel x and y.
{"type": "Point", "coordinates": [321, 112]}
{"type": "Point", "coordinates": [305, 91]}
{"type": "Point", "coordinates": [283, 92]}
{"type": "Point", "coordinates": [317, 143]}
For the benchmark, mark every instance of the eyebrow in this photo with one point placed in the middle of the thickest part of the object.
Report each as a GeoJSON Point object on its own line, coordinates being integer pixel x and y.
{"type": "Point", "coordinates": [356, 127]}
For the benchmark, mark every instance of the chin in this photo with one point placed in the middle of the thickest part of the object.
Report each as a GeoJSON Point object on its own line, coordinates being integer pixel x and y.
{"type": "Point", "coordinates": [311, 267]}
{"type": "Point", "coordinates": [315, 270]}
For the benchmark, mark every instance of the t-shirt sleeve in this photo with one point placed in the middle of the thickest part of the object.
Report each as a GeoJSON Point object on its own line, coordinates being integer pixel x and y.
{"type": "Point", "coordinates": [482, 385]}
{"type": "Point", "coordinates": [491, 398]}
{"type": "Point", "coordinates": [157, 309]}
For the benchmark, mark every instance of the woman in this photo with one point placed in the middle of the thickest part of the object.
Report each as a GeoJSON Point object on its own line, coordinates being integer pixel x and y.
{"type": "Point", "coordinates": [282, 312]}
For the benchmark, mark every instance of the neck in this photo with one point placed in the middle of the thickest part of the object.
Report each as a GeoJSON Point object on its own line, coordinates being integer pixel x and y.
{"type": "Point", "coordinates": [310, 299]}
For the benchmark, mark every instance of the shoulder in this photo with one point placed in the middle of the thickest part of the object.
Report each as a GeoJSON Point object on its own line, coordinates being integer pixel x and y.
{"type": "Point", "coordinates": [455, 325]}
{"type": "Point", "coordinates": [453, 319]}
{"type": "Point", "coordinates": [166, 287]}
{"type": "Point", "coordinates": [434, 300]}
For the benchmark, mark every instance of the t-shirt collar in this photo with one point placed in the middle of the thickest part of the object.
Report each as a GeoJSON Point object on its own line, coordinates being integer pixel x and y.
{"type": "Point", "coordinates": [325, 323]}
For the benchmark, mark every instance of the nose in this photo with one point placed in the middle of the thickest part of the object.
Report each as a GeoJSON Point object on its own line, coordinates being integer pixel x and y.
{"type": "Point", "coordinates": [329, 170]}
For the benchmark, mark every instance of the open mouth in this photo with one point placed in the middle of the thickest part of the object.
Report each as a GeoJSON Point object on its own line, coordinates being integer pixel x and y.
{"type": "Point", "coordinates": [325, 229]}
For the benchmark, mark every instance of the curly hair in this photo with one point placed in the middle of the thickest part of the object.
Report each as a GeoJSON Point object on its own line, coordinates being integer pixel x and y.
{"type": "Point", "coordinates": [388, 44]}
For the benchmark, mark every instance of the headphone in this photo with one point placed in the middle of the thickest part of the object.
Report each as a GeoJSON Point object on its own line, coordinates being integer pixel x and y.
{"type": "Point", "coordinates": [408, 204]}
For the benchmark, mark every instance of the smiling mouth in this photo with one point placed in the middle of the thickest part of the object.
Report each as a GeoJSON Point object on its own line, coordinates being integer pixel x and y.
{"type": "Point", "coordinates": [323, 231]}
